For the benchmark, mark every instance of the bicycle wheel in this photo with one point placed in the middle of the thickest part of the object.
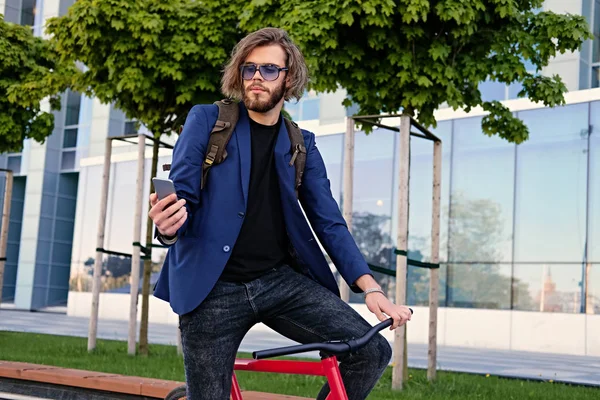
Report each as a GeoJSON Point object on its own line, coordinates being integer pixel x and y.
{"type": "Point", "coordinates": [177, 394]}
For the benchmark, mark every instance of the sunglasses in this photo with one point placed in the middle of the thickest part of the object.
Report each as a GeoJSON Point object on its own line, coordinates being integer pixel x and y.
{"type": "Point", "coordinates": [269, 72]}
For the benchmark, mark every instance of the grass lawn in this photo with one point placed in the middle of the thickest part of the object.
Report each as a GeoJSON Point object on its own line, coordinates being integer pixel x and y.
{"type": "Point", "coordinates": [163, 363]}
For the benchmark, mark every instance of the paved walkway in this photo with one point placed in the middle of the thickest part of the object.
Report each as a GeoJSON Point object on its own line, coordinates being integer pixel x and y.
{"type": "Point", "coordinates": [558, 367]}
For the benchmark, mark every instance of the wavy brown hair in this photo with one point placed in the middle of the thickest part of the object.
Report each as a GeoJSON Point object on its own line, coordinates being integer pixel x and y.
{"type": "Point", "coordinates": [232, 85]}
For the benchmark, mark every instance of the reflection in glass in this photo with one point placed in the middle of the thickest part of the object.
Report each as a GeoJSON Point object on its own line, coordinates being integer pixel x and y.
{"type": "Point", "coordinates": [594, 182]}
{"type": "Point", "coordinates": [372, 201]}
{"type": "Point", "coordinates": [28, 11]}
{"type": "Point", "coordinates": [70, 138]}
{"type": "Point", "coordinates": [331, 149]}
{"type": "Point", "coordinates": [593, 290]}
{"type": "Point", "coordinates": [479, 285]}
{"type": "Point", "coordinates": [417, 286]}
{"type": "Point", "coordinates": [72, 109]}
{"type": "Point", "coordinates": [421, 192]}
{"type": "Point", "coordinates": [14, 164]}
{"type": "Point", "coordinates": [548, 287]}
{"type": "Point", "coordinates": [68, 160]}
{"type": "Point", "coordinates": [86, 223]}
{"type": "Point", "coordinates": [596, 32]}
{"type": "Point", "coordinates": [481, 208]}
{"type": "Point", "coordinates": [551, 187]}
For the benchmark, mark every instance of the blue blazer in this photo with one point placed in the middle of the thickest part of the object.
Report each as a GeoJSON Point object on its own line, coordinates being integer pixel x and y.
{"type": "Point", "coordinates": [196, 260]}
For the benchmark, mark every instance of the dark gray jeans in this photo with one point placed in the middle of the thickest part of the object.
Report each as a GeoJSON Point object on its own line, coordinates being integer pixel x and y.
{"type": "Point", "coordinates": [289, 303]}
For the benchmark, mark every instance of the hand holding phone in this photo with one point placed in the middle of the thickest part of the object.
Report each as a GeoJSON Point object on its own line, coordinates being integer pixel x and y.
{"type": "Point", "coordinates": [167, 213]}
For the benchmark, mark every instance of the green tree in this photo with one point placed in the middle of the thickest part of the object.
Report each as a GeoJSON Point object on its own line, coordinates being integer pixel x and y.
{"type": "Point", "coordinates": [416, 55]}
{"type": "Point", "coordinates": [152, 59]}
{"type": "Point", "coordinates": [30, 71]}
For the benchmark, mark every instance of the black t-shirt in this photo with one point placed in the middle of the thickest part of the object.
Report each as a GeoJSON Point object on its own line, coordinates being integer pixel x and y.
{"type": "Point", "coordinates": [263, 242]}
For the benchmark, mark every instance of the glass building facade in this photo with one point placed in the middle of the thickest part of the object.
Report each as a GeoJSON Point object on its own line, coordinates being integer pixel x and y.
{"type": "Point", "coordinates": [520, 227]}
{"type": "Point", "coordinates": [520, 224]}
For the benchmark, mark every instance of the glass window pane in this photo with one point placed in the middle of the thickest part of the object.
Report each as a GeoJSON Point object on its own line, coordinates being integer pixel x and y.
{"type": "Point", "coordinates": [28, 10]}
{"type": "Point", "coordinates": [550, 214]}
{"type": "Point", "coordinates": [594, 182]}
{"type": "Point", "coordinates": [68, 160]}
{"type": "Point", "coordinates": [596, 32]}
{"type": "Point", "coordinates": [72, 111]}
{"type": "Point", "coordinates": [372, 201]}
{"type": "Point", "coordinates": [70, 138]}
{"type": "Point", "coordinates": [421, 194]}
{"type": "Point", "coordinates": [479, 285]}
{"type": "Point", "coordinates": [593, 293]}
{"type": "Point", "coordinates": [417, 286]}
{"type": "Point", "coordinates": [64, 7]}
{"type": "Point", "coordinates": [481, 212]}
{"type": "Point", "coordinates": [491, 90]}
{"type": "Point", "coordinates": [595, 77]}
{"type": "Point", "coordinates": [293, 108]}
{"type": "Point", "coordinates": [331, 148]}
{"type": "Point", "coordinates": [310, 109]}
{"type": "Point", "coordinates": [14, 164]}
{"type": "Point", "coordinates": [547, 287]}
{"type": "Point", "coordinates": [130, 127]}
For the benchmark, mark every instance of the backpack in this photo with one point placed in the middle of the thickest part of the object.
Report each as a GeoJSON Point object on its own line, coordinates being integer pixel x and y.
{"type": "Point", "coordinates": [222, 131]}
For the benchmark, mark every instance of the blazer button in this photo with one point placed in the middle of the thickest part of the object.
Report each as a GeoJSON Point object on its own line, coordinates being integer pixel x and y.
{"type": "Point", "coordinates": [241, 214]}
{"type": "Point", "coordinates": [226, 249]}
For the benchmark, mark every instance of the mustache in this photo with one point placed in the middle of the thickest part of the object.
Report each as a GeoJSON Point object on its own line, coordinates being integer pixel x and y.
{"type": "Point", "coordinates": [257, 87]}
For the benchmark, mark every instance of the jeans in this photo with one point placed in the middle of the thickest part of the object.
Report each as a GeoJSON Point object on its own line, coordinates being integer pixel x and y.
{"type": "Point", "coordinates": [288, 302]}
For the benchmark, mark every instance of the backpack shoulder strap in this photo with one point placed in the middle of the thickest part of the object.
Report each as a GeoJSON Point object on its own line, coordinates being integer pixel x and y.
{"type": "Point", "coordinates": [298, 150]}
{"type": "Point", "coordinates": [219, 136]}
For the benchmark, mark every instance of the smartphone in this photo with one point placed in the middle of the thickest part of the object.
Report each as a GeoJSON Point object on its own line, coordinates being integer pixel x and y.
{"type": "Point", "coordinates": [163, 187]}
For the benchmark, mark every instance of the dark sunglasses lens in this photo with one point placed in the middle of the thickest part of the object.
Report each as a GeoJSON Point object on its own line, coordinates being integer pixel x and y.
{"type": "Point", "coordinates": [269, 72]}
{"type": "Point", "coordinates": [248, 71]}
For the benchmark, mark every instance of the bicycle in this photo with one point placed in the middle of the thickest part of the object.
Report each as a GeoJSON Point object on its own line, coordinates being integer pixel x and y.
{"type": "Point", "coordinates": [327, 367]}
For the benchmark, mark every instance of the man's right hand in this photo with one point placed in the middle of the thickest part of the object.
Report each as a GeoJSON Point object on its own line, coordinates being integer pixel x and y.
{"type": "Point", "coordinates": [168, 214]}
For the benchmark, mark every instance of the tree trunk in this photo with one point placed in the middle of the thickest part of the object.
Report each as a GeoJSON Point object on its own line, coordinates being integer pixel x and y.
{"type": "Point", "coordinates": [148, 262]}
{"type": "Point", "coordinates": [400, 370]}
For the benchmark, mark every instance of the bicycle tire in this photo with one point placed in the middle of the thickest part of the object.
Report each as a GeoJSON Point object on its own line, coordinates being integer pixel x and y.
{"type": "Point", "coordinates": [179, 393]}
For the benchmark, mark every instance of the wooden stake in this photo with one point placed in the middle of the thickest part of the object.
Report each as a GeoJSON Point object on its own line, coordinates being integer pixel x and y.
{"type": "Point", "coordinates": [435, 259]}
{"type": "Point", "coordinates": [5, 225]}
{"type": "Point", "coordinates": [135, 255]}
{"type": "Point", "coordinates": [93, 326]}
{"type": "Point", "coordinates": [348, 190]}
{"type": "Point", "coordinates": [399, 370]}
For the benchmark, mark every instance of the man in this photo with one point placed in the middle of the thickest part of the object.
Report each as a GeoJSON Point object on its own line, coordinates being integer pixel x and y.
{"type": "Point", "coordinates": [230, 265]}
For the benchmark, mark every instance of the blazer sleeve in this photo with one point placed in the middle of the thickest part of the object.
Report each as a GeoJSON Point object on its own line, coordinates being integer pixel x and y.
{"type": "Point", "coordinates": [186, 163]}
{"type": "Point", "coordinates": [327, 221]}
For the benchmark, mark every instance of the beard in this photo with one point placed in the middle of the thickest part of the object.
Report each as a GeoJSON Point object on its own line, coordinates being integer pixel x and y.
{"type": "Point", "coordinates": [253, 102]}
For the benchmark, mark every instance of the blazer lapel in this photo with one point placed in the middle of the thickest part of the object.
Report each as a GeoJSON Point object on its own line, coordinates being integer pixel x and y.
{"type": "Point", "coordinates": [283, 155]}
{"type": "Point", "coordinates": [242, 130]}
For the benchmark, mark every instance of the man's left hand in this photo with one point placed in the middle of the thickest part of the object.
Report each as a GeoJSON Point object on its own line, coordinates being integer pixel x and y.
{"type": "Point", "coordinates": [381, 306]}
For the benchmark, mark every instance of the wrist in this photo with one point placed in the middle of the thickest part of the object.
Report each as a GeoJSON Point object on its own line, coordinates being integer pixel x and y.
{"type": "Point", "coordinates": [367, 281]}
{"type": "Point", "coordinates": [372, 290]}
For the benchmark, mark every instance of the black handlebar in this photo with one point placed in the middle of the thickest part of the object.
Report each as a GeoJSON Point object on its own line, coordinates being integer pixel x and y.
{"type": "Point", "coordinates": [336, 347]}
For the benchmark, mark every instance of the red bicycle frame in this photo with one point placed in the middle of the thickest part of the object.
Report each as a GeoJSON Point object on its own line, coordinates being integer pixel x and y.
{"type": "Point", "coordinates": [327, 367]}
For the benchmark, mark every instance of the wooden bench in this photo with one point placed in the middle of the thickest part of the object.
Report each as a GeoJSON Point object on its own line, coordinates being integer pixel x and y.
{"type": "Point", "coordinates": [115, 383]}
